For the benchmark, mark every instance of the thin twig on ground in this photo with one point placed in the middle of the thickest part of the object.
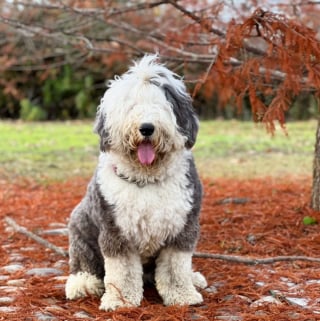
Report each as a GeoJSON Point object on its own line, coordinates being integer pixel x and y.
{"type": "Point", "coordinates": [255, 261]}
{"type": "Point", "coordinates": [38, 239]}
{"type": "Point", "coordinates": [229, 258]}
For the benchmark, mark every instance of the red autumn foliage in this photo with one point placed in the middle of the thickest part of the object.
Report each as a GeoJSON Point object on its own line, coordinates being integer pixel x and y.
{"type": "Point", "coordinates": [265, 221]}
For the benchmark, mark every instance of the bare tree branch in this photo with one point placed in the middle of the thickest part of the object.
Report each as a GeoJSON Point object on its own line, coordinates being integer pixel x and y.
{"type": "Point", "coordinates": [35, 237]}
{"type": "Point", "coordinates": [94, 11]}
{"type": "Point", "coordinates": [197, 19]}
{"type": "Point", "coordinates": [255, 261]}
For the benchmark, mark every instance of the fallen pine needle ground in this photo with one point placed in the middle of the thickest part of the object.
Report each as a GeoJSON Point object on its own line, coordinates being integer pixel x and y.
{"type": "Point", "coordinates": [260, 218]}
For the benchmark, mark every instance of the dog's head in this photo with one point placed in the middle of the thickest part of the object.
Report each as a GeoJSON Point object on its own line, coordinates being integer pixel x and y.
{"type": "Point", "coordinates": [146, 114]}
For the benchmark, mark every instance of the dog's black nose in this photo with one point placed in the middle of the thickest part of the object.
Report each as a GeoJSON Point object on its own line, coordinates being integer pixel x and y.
{"type": "Point", "coordinates": [146, 129]}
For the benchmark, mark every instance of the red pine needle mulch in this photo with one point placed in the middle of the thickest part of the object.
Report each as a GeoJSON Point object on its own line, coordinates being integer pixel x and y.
{"type": "Point", "coordinates": [256, 218]}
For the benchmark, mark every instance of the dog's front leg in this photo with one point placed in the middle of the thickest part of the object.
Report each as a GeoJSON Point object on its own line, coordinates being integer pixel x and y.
{"type": "Point", "coordinates": [123, 282]}
{"type": "Point", "coordinates": [174, 278]}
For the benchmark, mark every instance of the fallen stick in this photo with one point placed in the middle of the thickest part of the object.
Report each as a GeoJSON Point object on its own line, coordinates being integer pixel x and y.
{"type": "Point", "coordinates": [255, 261]}
{"type": "Point", "coordinates": [35, 237]}
{"type": "Point", "coordinates": [229, 258]}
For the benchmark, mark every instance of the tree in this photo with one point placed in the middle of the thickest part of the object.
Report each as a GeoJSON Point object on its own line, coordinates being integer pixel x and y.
{"type": "Point", "coordinates": [266, 53]}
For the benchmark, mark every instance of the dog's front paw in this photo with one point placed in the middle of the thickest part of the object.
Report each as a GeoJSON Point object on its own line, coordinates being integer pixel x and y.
{"type": "Point", "coordinates": [83, 284]}
{"type": "Point", "coordinates": [199, 280]}
{"type": "Point", "coordinates": [114, 298]}
{"type": "Point", "coordinates": [182, 296]}
{"type": "Point", "coordinates": [111, 303]}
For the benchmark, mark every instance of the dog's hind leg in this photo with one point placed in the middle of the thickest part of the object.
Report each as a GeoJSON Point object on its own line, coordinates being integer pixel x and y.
{"type": "Point", "coordinates": [86, 267]}
{"type": "Point", "coordinates": [83, 284]}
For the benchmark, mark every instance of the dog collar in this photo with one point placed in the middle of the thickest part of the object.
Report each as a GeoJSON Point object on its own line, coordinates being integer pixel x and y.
{"type": "Point", "coordinates": [139, 183]}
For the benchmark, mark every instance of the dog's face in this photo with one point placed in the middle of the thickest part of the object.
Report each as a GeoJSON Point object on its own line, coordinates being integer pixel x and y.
{"type": "Point", "coordinates": [146, 114]}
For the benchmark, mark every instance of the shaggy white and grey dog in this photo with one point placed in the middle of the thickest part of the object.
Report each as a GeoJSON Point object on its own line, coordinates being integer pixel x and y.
{"type": "Point", "coordinates": [141, 209]}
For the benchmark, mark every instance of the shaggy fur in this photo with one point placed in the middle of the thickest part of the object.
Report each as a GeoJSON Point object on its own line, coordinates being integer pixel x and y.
{"type": "Point", "coordinates": [140, 212]}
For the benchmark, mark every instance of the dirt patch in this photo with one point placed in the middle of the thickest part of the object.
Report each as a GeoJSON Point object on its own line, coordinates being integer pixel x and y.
{"type": "Point", "coordinates": [256, 218]}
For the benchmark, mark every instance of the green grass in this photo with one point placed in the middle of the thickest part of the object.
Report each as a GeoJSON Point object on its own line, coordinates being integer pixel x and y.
{"type": "Point", "coordinates": [245, 149]}
{"type": "Point", "coordinates": [47, 150]}
{"type": "Point", "coordinates": [55, 151]}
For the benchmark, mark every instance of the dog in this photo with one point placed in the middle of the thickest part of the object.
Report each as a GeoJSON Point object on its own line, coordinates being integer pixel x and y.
{"type": "Point", "coordinates": [141, 209]}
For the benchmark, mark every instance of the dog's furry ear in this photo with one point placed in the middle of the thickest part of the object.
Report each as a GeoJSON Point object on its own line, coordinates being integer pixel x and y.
{"type": "Point", "coordinates": [99, 128]}
{"type": "Point", "coordinates": [186, 117]}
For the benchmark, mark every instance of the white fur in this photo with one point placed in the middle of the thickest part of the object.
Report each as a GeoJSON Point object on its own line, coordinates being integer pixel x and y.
{"type": "Point", "coordinates": [123, 282]}
{"type": "Point", "coordinates": [174, 278]}
{"type": "Point", "coordinates": [199, 280]}
{"type": "Point", "coordinates": [83, 283]}
{"type": "Point", "coordinates": [131, 101]}
{"type": "Point", "coordinates": [146, 104]}
{"type": "Point", "coordinates": [151, 214]}
{"type": "Point", "coordinates": [148, 217]}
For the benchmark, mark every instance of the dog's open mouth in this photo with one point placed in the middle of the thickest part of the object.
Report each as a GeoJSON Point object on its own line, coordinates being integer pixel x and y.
{"type": "Point", "coordinates": [146, 153]}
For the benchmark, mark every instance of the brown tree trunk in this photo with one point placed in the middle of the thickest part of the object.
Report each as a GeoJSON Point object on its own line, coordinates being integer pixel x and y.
{"type": "Point", "coordinates": [315, 198]}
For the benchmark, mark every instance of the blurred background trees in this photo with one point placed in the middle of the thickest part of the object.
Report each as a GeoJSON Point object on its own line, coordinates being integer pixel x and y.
{"type": "Point", "coordinates": [240, 59]}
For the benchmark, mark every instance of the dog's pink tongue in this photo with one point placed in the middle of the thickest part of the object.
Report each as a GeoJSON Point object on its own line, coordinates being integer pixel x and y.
{"type": "Point", "coordinates": [146, 153]}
